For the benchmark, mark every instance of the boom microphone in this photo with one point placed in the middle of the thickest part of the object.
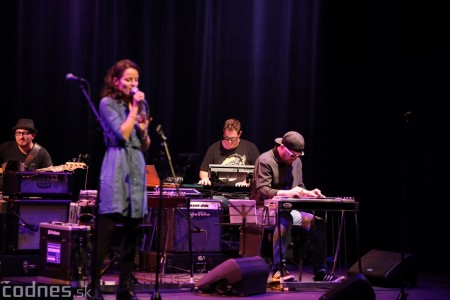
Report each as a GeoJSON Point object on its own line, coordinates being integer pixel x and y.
{"type": "Point", "coordinates": [33, 228]}
{"type": "Point", "coordinates": [161, 132]}
{"type": "Point", "coordinates": [70, 76]}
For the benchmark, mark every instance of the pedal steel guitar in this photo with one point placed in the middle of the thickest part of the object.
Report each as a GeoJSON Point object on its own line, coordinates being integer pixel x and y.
{"type": "Point", "coordinates": [319, 204]}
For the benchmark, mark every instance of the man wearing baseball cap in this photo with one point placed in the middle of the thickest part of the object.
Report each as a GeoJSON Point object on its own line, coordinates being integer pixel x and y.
{"type": "Point", "coordinates": [278, 172]}
{"type": "Point", "coordinates": [24, 149]}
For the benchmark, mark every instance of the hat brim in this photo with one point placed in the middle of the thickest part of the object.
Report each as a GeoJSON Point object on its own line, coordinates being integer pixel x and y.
{"type": "Point", "coordinates": [32, 130]}
{"type": "Point", "coordinates": [279, 141]}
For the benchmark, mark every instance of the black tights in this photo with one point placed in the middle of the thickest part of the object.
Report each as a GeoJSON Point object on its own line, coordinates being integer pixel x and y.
{"type": "Point", "coordinates": [106, 225]}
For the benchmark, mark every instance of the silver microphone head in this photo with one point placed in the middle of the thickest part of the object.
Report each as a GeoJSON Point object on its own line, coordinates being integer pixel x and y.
{"type": "Point", "coordinates": [70, 76]}
{"type": "Point", "coordinates": [134, 90]}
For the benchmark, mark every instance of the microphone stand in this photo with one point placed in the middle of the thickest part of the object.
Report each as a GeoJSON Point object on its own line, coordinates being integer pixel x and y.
{"type": "Point", "coordinates": [3, 210]}
{"type": "Point", "coordinates": [34, 228]}
{"type": "Point", "coordinates": [156, 295]}
{"type": "Point", "coordinates": [403, 295]}
{"type": "Point", "coordinates": [188, 204]}
{"type": "Point", "coordinates": [85, 88]}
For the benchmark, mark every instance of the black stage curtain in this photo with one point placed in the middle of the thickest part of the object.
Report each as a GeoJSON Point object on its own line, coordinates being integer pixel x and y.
{"type": "Point", "coordinates": [343, 73]}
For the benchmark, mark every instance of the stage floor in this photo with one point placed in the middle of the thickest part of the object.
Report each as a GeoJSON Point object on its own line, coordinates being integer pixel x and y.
{"type": "Point", "coordinates": [182, 286]}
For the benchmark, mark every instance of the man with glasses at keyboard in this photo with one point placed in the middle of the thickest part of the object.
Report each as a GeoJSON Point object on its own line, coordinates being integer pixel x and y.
{"type": "Point", "coordinates": [24, 150]}
{"type": "Point", "coordinates": [278, 172]}
{"type": "Point", "coordinates": [231, 150]}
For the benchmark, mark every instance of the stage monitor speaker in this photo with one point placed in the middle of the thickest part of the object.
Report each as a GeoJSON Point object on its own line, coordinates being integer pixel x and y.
{"type": "Point", "coordinates": [355, 287]}
{"type": "Point", "coordinates": [384, 268]}
{"type": "Point", "coordinates": [23, 219]}
{"type": "Point", "coordinates": [206, 216]}
{"type": "Point", "coordinates": [236, 276]}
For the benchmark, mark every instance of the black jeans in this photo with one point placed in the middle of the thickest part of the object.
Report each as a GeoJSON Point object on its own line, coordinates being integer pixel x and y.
{"type": "Point", "coordinates": [317, 236]}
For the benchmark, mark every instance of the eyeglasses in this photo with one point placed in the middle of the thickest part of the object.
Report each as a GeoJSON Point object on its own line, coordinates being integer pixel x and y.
{"type": "Point", "coordinates": [24, 133]}
{"type": "Point", "coordinates": [231, 138]}
{"type": "Point", "coordinates": [293, 155]}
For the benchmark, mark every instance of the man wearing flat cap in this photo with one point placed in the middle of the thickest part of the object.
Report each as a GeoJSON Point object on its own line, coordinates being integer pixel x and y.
{"type": "Point", "coordinates": [24, 149]}
{"type": "Point", "coordinates": [278, 172]}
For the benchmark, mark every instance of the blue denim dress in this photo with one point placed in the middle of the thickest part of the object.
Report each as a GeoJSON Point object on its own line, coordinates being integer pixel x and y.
{"type": "Point", "coordinates": [122, 178]}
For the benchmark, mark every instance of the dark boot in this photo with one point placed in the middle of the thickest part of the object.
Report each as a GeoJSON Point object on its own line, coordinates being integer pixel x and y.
{"type": "Point", "coordinates": [125, 290]}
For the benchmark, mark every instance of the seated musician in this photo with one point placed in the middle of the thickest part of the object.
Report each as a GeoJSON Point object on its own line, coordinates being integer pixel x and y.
{"type": "Point", "coordinates": [278, 172]}
{"type": "Point", "coordinates": [231, 150]}
{"type": "Point", "coordinates": [24, 149]}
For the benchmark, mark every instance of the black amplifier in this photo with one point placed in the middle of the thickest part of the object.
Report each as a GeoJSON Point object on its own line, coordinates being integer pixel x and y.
{"type": "Point", "coordinates": [64, 252]}
{"type": "Point", "coordinates": [205, 215]}
{"type": "Point", "coordinates": [37, 184]}
{"type": "Point", "coordinates": [23, 218]}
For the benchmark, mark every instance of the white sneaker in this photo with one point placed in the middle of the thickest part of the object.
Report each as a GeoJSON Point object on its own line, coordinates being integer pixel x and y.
{"type": "Point", "coordinates": [322, 276]}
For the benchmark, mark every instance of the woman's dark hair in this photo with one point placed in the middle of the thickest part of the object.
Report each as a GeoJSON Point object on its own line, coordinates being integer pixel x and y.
{"type": "Point", "coordinates": [116, 71]}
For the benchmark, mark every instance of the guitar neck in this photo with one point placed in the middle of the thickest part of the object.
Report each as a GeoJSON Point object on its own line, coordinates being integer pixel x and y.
{"type": "Point", "coordinates": [68, 166]}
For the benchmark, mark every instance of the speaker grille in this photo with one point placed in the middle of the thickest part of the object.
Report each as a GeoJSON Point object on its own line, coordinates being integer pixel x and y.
{"type": "Point", "coordinates": [383, 268]}
{"type": "Point", "coordinates": [206, 216]}
{"type": "Point", "coordinates": [31, 212]}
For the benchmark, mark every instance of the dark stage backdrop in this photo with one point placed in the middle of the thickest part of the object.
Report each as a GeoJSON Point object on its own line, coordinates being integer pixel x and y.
{"type": "Point", "coordinates": [343, 73]}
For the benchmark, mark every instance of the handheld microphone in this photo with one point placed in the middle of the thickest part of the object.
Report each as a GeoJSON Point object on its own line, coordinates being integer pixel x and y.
{"type": "Point", "coordinates": [144, 109]}
{"type": "Point", "coordinates": [134, 90]}
{"type": "Point", "coordinates": [70, 76]}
